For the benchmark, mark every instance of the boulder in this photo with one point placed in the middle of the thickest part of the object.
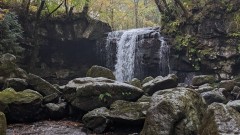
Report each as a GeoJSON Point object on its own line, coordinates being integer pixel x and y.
{"type": "Point", "coordinates": [21, 106]}
{"type": "Point", "coordinates": [120, 113]}
{"type": "Point", "coordinates": [136, 82]}
{"type": "Point", "coordinates": [147, 79]}
{"type": "Point", "coordinates": [56, 111]}
{"type": "Point", "coordinates": [228, 85]}
{"type": "Point", "coordinates": [215, 95]}
{"type": "Point", "coordinates": [98, 71]}
{"type": "Point", "coordinates": [40, 85]}
{"type": "Point", "coordinates": [53, 98]}
{"type": "Point", "coordinates": [89, 93]}
{"type": "Point", "coordinates": [220, 119]}
{"type": "Point", "coordinates": [3, 124]}
{"type": "Point", "coordinates": [176, 111]}
{"type": "Point", "coordinates": [17, 84]}
{"type": "Point", "coordinates": [234, 104]}
{"type": "Point", "coordinates": [160, 83]}
{"type": "Point", "coordinates": [204, 88]}
{"type": "Point", "coordinates": [202, 79]}
{"type": "Point", "coordinates": [236, 93]}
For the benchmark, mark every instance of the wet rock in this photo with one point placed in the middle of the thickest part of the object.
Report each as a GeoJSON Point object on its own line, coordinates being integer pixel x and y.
{"type": "Point", "coordinates": [236, 93]}
{"type": "Point", "coordinates": [53, 98]}
{"type": "Point", "coordinates": [98, 71]}
{"type": "Point", "coordinates": [220, 119]}
{"type": "Point", "coordinates": [160, 83]}
{"type": "Point", "coordinates": [89, 93]}
{"type": "Point", "coordinates": [56, 111]}
{"type": "Point", "coordinates": [3, 124]}
{"type": "Point", "coordinates": [120, 113]}
{"type": "Point", "coordinates": [174, 111]}
{"type": "Point", "coordinates": [215, 95]}
{"type": "Point", "coordinates": [202, 79]}
{"type": "Point", "coordinates": [147, 79]}
{"type": "Point", "coordinates": [17, 84]}
{"type": "Point", "coordinates": [204, 88]}
{"type": "Point", "coordinates": [136, 82]}
{"type": "Point", "coordinates": [144, 98]}
{"type": "Point", "coordinates": [41, 85]}
{"type": "Point", "coordinates": [96, 120]}
{"type": "Point", "coordinates": [21, 106]}
{"type": "Point", "coordinates": [235, 104]}
{"type": "Point", "coordinates": [8, 58]}
{"type": "Point", "coordinates": [228, 84]}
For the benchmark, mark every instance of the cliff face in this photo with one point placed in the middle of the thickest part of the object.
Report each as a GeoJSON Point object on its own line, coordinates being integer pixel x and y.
{"type": "Point", "coordinates": [209, 41]}
{"type": "Point", "coordinates": [66, 47]}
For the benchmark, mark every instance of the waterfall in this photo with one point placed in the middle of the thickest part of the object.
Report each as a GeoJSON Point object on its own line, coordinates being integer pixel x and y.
{"type": "Point", "coordinates": [128, 57]}
{"type": "Point", "coordinates": [164, 53]}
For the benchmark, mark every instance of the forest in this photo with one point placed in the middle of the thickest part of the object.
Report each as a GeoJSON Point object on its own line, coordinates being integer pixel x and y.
{"type": "Point", "coordinates": [119, 67]}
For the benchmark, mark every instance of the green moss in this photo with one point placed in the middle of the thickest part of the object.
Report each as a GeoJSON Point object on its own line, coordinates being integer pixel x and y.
{"type": "Point", "coordinates": [9, 95]}
{"type": "Point", "coordinates": [3, 124]}
{"type": "Point", "coordinates": [98, 71]}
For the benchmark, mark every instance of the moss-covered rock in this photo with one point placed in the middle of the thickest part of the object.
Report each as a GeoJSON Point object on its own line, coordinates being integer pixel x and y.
{"type": "Point", "coordinates": [21, 106]}
{"type": "Point", "coordinates": [176, 111]}
{"type": "Point", "coordinates": [136, 82]}
{"type": "Point", "coordinates": [3, 124]}
{"type": "Point", "coordinates": [98, 71]}
{"type": "Point", "coordinates": [220, 119]}
{"type": "Point", "coordinates": [90, 93]}
{"type": "Point", "coordinates": [41, 85]}
{"type": "Point", "coordinates": [202, 79]}
{"type": "Point", "coordinates": [147, 79]}
{"type": "Point", "coordinates": [160, 83]}
{"type": "Point", "coordinates": [120, 112]}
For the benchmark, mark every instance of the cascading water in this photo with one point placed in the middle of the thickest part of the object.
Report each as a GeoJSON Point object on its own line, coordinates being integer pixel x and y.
{"type": "Point", "coordinates": [164, 53]}
{"type": "Point", "coordinates": [128, 58]}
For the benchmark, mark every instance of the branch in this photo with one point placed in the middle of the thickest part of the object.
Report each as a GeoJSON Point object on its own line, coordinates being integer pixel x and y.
{"type": "Point", "coordinates": [159, 6]}
{"type": "Point", "coordinates": [185, 12]}
{"type": "Point", "coordinates": [54, 10]}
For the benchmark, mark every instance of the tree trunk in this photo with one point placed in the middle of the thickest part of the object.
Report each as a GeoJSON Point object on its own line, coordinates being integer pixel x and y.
{"type": "Point", "coordinates": [136, 12]}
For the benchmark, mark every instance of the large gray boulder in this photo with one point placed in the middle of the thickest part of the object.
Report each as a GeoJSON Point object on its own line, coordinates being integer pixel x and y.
{"type": "Point", "coordinates": [120, 112]}
{"type": "Point", "coordinates": [176, 111]}
{"type": "Point", "coordinates": [202, 79]}
{"type": "Point", "coordinates": [215, 95]}
{"type": "Point", "coordinates": [89, 93]}
{"type": "Point", "coordinates": [99, 71]}
{"type": "Point", "coordinates": [160, 83]}
{"type": "Point", "coordinates": [220, 119]}
{"type": "Point", "coordinates": [3, 124]}
{"type": "Point", "coordinates": [42, 86]}
{"type": "Point", "coordinates": [21, 106]}
{"type": "Point", "coordinates": [234, 104]}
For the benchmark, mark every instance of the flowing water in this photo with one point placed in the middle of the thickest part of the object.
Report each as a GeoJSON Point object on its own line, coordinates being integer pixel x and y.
{"type": "Point", "coordinates": [128, 58]}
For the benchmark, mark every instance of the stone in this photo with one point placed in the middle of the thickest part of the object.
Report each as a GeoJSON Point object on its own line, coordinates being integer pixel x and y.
{"type": "Point", "coordinates": [204, 88]}
{"type": "Point", "coordinates": [89, 93]}
{"type": "Point", "coordinates": [235, 104]}
{"type": "Point", "coordinates": [136, 82]}
{"type": "Point", "coordinates": [21, 106]}
{"type": "Point", "coordinates": [96, 120]}
{"type": "Point", "coordinates": [40, 85]}
{"type": "Point", "coordinates": [227, 84]}
{"type": "Point", "coordinates": [220, 119]}
{"type": "Point", "coordinates": [53, 98]}
{"type": "Point", "coordinates": [56, 111]}
{"type": "Point", "coordinates": [160, 83]}
{"type": "Point", "coordinates": [120, 112]}
{"type": "Point", "coordinates": [98, 71]}
{"type": "Point", "coordinates": [3, 124]}
{"type": "Point", "coordinates": [17, 84]}
{"type": "Point", "coordinates": [176, 111]}
{"type": "Point", "coordinates": [215, 95]}
{"type": "Point", "coordinates": [9, 58]}
{"type": "Point", "coordinates": [147, 79]}
{"type": "Point", "coordinates": [236, 92]}
{"type": "Point", "coordinates": [202, 79]}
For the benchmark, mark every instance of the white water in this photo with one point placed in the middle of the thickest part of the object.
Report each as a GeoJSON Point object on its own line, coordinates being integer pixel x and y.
{"type": "Point", "coordinates": [127, 57]}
